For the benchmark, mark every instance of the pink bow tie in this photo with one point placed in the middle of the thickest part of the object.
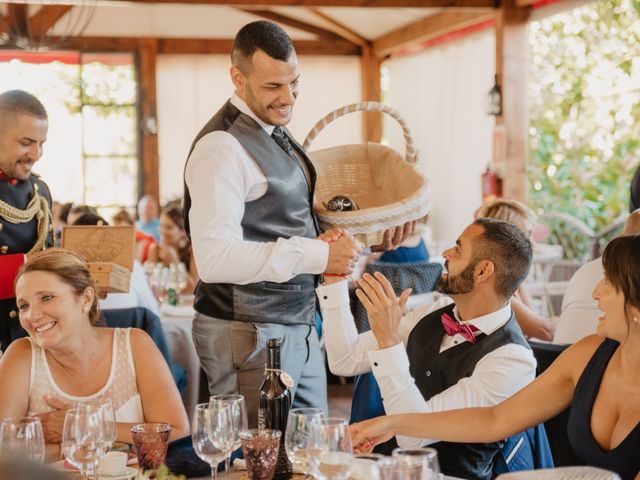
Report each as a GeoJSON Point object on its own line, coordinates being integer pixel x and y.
{"type": "Point", "coordinates": [452, 327]}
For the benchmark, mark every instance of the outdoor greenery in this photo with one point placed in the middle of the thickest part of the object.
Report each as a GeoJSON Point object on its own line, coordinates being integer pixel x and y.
{"type": "Point", "coordinates": [584, 100]}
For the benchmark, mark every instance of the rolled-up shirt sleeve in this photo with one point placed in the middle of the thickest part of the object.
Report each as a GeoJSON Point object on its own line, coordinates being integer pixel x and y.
{"type": "Point", "coordinates": [221, 177]}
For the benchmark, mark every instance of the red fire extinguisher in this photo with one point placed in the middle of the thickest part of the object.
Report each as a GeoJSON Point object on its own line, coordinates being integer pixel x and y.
{"type": "Point", "coordinates": [491, 185]}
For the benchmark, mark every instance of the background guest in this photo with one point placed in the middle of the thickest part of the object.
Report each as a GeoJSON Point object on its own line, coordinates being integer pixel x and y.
{"type": "Point", "coordinates": [143, 241]}
{"type": "Point", "coordinates": [148, 220]}
{"type": "Point", "coordinates": [174, 246]}
{"type": "Point", "coordinates": [79, 210]}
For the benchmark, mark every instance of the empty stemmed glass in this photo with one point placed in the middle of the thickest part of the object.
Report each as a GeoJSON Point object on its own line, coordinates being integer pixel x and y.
{"type": "Point", "coordinates": [83, 439]}
{"type": "Point", "coordinates": [105, 406]}
{"type": "Point", "coordinates": [301, 440]}
{"type": "Point", "coordinates": [416, 463]}
{"type": "Point", "coordinates": [22, 439]}
{"type": "Point", "coordinates": [212, 433]}
{"type": "Point", "coordinates": [239, 419]}
{"type": "Point", "coordinates": [336, 453]}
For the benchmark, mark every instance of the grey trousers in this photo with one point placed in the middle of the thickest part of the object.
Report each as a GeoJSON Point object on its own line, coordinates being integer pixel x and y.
{"type": "Point", "coordinates": [233, 355]}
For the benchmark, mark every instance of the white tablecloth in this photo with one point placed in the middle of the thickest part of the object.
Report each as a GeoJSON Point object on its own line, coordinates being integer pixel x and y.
{"type": "Point", "coordinates": [176, 323]}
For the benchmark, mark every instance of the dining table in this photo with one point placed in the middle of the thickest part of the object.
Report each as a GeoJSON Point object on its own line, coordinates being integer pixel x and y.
{"type": "Point", "coordinates": [176, 323]}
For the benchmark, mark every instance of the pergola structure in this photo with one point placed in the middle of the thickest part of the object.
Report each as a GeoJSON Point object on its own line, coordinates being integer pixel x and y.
{"type": "Point", "coordinates": [329, 33]}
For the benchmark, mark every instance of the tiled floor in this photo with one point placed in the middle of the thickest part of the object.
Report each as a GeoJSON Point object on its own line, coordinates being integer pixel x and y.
{"type": "Point", "coordinates": [340, 400]}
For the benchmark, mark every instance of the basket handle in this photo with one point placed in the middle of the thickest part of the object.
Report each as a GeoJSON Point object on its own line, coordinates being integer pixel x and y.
{"type": "Point", "coordinates": [410, 154]}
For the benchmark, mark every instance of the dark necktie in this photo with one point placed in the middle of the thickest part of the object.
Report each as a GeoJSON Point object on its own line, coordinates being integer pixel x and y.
{"type": "Point", "coordinates": [283, 142]}
{"type": "Point", "coordinates": [452, 327]}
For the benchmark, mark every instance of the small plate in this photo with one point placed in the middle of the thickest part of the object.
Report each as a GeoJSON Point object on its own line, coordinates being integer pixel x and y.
{"type": "Point", "coordinates": [128, 475]}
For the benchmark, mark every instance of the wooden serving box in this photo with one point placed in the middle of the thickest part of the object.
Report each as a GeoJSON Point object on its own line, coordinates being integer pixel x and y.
{"type": "Point", "coordinates": [108, 250]}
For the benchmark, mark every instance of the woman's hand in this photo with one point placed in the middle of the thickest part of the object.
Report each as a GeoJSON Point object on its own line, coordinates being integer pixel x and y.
{"type": "Point", "coordinates": [53, 422]}
{"type": "Point", "coordinates": [369, 433]}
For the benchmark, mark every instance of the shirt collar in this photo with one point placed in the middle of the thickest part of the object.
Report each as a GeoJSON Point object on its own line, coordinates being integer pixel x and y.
{"type": "Point", "coordinates": [4, 176]}
{"type": "Point", "coordinates": [237, 102]}
{"type": "Point", "coordinates": [490, 322]}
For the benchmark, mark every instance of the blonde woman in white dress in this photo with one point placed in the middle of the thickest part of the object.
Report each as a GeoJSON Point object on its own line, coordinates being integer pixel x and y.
{"type": "Point", "coordinates": [68, 359]}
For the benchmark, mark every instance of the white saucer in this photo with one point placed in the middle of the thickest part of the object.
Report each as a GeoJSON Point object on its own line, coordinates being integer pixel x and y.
{"type": "Point", "coordinates": [128, 475]}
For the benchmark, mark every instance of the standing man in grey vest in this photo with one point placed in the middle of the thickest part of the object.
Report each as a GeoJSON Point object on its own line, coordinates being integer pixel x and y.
{"type": "Point", "coordinates": [469, 354]}
{"type": "Point", "coordinates": [248, 209]}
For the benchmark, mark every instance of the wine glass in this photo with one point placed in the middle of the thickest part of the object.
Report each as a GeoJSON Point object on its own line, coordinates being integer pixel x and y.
{"type": "Point", "coordinates": [212, 433]}
{"type": "Point", "coordinates": [420, 463]}
{"type": "Point", "coordinates": [83, 439]}
{"type": "Point", "coordinates": [239, 419]}
{"type": "Point", "coordinates": [105, 407]}
{"type": "Point", "coordinates": [300, 439]}
{"type": "Point", "coordinates": [22, 439]}
{"type": "Point", "coordinates": [365, 466]}
{"type": "Point", "coordinates": [335, 459]}
{"type": "Point", "coordinates": [110, 424]}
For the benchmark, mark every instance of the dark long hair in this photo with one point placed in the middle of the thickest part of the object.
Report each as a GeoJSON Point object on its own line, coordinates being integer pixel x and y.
{"type": "Point", "coordinates": [621, 262]}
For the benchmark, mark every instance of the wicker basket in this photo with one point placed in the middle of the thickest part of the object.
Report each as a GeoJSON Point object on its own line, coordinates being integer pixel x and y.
{"type": "Point", "coordinates": [386, 186]}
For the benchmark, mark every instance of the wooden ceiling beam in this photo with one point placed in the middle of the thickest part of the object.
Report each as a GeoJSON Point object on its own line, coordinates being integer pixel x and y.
{"type": "Point", "coordinates": [291, 22]}
{"type": "Point", "coordinates": [202, 45]}
{"type": "Point", "coordinates": [339, 3]}
{"type": "Point", "coordinates": [341, 29]}
{"type": "Point", "coordinates": [45, 18]}
{"type": "Point", "coordinates": [425, 29]}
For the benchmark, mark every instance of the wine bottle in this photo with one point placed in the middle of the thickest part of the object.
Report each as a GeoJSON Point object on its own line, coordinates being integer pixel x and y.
{"type": "Point", "coordinates": [274, 404]}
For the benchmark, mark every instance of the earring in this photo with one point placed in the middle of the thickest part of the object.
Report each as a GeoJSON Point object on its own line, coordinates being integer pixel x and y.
{"type": "Point", "coordinates": [636, 319]}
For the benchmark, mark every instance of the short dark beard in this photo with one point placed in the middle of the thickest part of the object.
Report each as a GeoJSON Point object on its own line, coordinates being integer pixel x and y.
{"type": "Point", "coordinates": [458, 284]}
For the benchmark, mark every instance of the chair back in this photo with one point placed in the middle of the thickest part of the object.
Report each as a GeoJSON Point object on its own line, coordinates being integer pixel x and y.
{"type": "Point", "coordinates": [420, 276]}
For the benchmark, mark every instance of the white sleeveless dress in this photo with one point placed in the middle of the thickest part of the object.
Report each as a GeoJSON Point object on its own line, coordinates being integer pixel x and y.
{"type": "Point", "coordinates": [121, 387]}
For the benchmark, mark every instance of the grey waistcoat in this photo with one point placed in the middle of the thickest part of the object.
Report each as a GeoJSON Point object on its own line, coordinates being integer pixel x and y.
{"type": "Point", "coordinates": [284, 211]}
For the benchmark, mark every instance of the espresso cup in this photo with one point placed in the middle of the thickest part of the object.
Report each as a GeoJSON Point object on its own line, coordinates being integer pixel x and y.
{"type": "Point", "coordinates": [113, 463]}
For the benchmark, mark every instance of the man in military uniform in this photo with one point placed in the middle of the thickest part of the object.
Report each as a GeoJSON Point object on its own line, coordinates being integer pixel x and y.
{"type": "Point", "coordinates": [25, 201]}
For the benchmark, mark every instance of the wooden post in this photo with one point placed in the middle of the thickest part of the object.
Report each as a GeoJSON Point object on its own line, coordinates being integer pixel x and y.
{"type": "Point", "coordinates": [148, 130]}
{"type": "Point", "coordinates": [371, 92]}
{"type": "Point", "coordinates": [512, 65]}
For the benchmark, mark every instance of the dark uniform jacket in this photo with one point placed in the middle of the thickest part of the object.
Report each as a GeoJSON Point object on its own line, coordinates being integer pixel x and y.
{"type": "Point", "coordinates": [17, 238]}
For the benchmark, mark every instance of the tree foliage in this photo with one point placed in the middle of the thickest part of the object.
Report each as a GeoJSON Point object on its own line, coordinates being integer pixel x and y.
{"type": "Point", "coordinates": [584, 97]}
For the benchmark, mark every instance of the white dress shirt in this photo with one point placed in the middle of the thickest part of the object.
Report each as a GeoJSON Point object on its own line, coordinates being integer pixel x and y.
{"type": "Point", "coordinates": [222, 177]}
{"type": "Point", "coordinates": [580, 313]}
{"type": "Point", "coordinates": [497, 376]}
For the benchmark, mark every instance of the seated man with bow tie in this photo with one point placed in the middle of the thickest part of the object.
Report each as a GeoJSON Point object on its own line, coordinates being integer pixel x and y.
{"type": "Point", "coordinates": [469, 354]}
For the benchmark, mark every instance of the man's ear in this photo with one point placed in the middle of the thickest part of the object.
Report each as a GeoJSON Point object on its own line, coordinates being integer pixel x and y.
{"type": "Point", "coordinates": [484, 270]}
{"type": "Point", "coordinates": [237, 77]}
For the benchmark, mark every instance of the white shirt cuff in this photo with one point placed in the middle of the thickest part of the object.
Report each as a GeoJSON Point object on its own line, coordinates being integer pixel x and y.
{"type": "Point", "coordinates": [334, 295]}
{"type": "Point", "coordinates": [389, 361]}
{"type": "Point", "coordinates": [316, 255]}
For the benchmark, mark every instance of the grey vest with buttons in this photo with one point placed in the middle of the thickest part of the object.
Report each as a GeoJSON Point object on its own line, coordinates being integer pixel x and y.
{"type": "Point", "coordinates": [434, 372]}
{"type": "Point", "coordinates": [284, 211]}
